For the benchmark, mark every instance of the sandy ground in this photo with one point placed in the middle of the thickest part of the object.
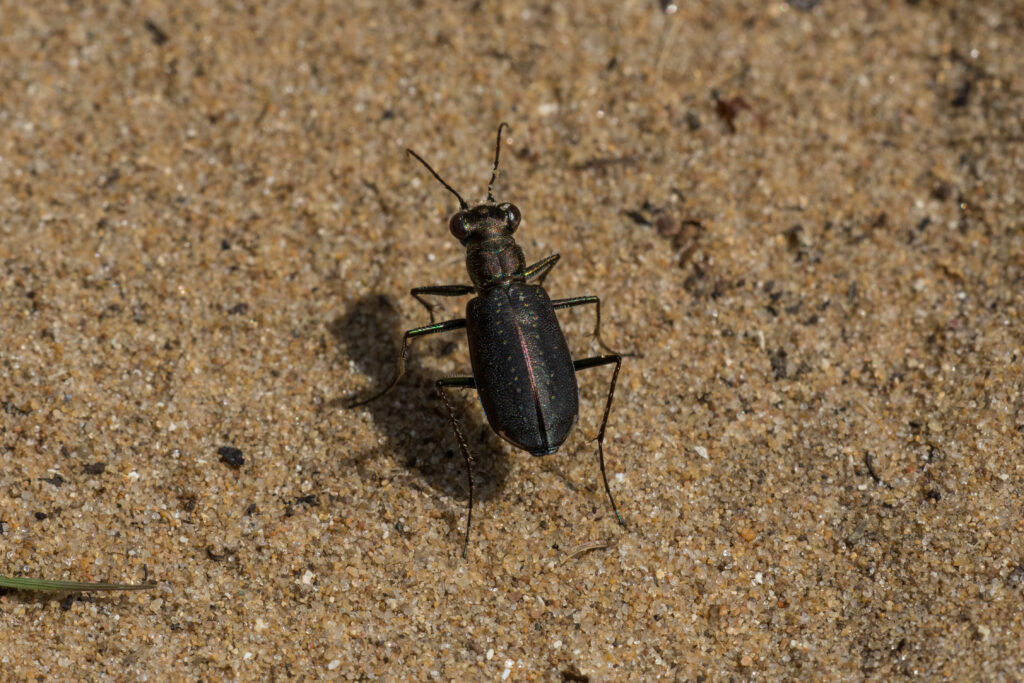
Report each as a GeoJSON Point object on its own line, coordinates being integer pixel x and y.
{"type": "Point", "coordinates": [808, 217]}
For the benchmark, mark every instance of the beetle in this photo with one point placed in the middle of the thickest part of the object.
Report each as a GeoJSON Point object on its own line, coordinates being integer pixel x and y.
{"type": "Point", "coordinates": [523, 370]}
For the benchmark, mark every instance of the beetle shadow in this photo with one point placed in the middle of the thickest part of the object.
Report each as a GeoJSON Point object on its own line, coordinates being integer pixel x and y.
{"type": "Point", "coordinates": [411, 418]}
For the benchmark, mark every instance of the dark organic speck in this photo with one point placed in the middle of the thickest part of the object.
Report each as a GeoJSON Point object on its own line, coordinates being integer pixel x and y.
{"type": "Point", "coordinates": [231, 456]}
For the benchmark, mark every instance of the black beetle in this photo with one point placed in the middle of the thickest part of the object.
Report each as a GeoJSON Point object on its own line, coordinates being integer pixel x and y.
{"type": "Point", "coordinates": [522, 367]}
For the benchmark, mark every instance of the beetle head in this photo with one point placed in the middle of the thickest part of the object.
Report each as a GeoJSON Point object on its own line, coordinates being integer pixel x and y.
{"type": "Point", "coordinates": [483, 221]}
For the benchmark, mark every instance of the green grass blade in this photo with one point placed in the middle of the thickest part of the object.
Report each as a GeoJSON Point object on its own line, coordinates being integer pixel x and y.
{"type": "Point", "coordinates": [24, 584]}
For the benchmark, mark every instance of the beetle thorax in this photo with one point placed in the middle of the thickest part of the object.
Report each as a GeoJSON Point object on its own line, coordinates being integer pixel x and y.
{"type": "Point", "coordinates": [494, 260]}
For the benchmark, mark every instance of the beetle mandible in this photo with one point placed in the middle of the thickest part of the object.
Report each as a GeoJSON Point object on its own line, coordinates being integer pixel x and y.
{"type": "Point", "coordinates": [522, 368]}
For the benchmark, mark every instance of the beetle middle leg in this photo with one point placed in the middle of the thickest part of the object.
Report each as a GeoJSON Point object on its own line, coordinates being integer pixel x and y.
{"type": "Point", "coordinates": [447, 326]}
{"type": "Point", "coordinates": [593, 362]}
{"type": "Point", "coordinates": [439, 290]}
{"type": "Point", "coordinates": [461, 383]}
{"type": "Point", "coordinates": [583, 301]}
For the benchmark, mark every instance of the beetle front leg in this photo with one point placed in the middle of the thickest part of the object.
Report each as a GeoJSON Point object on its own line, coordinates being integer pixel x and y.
{"type": "Point", "coordinates": [541, 268]}
{"type": "Point", "coordinates": [447, 326]}
{"type": "Point", "coordinates": [439, 290]}
{"type": "Point", "coordinates": [461, 383]}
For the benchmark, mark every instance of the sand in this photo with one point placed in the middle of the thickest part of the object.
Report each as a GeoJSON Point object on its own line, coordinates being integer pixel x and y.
{"type": "Point", "coordinates": [806, 216]}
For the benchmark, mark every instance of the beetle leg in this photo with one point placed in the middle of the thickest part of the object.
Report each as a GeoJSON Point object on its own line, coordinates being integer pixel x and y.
{"type": "Point", "coordinates": [462, 383]}
{"type": "Point", "coordinates": [583, 301]}
{"type": "Point", "coordinates": [447, 326]}
{"type": "Point", "coordinates": [594, 362]}
{"type": "Point", "coordinates": [439, 290]}
{"type": "Point", "coordinates": [541, 268]}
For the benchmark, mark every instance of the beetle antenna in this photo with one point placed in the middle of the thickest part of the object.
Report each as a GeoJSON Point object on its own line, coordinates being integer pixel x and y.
{"type": "Point", "coordinates": [462, 202]}
{"type": "Point", "coordinates": [494, 169]}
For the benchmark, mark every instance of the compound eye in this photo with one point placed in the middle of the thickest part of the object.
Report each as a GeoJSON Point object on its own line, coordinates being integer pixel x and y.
{"type": "Point", "coordinates": [459, 226]}
{"type": "Point", "coordinates": [512, 215]}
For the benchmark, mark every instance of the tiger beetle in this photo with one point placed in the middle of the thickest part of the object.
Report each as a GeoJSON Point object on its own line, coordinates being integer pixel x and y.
{"type": "Point", "coordinates": [522, 368]}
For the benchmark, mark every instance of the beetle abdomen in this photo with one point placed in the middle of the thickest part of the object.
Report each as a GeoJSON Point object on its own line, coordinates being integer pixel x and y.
{"type": "Point", "coordinates": [523, 367]}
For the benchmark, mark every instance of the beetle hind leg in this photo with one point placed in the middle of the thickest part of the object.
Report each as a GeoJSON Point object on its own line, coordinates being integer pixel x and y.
{"type": "Point", "coordinates": [460, 383]}
{"type": "Point", "coordinates": [593, 362]}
